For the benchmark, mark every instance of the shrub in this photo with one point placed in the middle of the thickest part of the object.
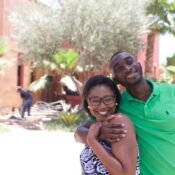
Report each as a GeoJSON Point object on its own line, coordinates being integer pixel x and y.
{"type": "Point", "coordinates": [68, 118]}
{"type": "Point", "coordinates": [66, 121]}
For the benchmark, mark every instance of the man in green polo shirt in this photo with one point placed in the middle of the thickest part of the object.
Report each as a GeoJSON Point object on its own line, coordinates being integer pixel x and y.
{"type": "Point", "coordinates": [151, 108]}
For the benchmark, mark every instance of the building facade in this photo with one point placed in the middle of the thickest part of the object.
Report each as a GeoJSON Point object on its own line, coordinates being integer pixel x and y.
{"type": "Point", "coordinates": [16, 73]}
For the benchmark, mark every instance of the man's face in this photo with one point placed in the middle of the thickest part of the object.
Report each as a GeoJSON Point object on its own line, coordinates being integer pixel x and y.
{"type": "Point", "coordinates": [125, 69]}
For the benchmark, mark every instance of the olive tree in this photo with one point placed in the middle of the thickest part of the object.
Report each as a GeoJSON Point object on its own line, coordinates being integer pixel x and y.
{"type": "Point", "coordinates": [94, 28]}
{"type": "Point", "coordinates": [97, 28]}
{"type": "Point", "coordinates": [37, 31]}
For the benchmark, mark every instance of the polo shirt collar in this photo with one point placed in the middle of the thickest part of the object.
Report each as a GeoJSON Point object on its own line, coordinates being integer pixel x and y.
{"type": "Point", "coordinates": [155, 91]}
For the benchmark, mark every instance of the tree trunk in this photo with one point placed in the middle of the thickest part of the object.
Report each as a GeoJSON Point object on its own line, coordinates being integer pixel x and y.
{"type": "Point", "coordinates": [149, 55]}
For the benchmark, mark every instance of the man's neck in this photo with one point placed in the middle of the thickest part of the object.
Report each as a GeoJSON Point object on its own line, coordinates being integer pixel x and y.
{"type": "Point", "coordinates": [141, 90]}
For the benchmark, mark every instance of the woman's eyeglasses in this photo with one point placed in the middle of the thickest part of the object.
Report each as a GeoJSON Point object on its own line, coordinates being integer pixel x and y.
{"type": "Point", "coordinates": [96, 101]}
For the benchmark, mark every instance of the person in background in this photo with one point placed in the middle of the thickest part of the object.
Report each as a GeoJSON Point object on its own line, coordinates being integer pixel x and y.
{"type": "Point", "coordinates": [27, 101]}
{"type": "Point", "coordinates": [151, 108]}
{"type": "Point", "coordinates": [100, 99]}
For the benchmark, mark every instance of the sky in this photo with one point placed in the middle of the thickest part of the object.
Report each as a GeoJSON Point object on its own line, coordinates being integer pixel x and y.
{"type": "Point", "coordinates": [50, 2]}
{"type": "Point", "coordinates": [167, 47]}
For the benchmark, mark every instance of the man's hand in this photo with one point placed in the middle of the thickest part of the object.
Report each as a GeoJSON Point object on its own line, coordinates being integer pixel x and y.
{"type": "Point", "coordinates": [112, 132]}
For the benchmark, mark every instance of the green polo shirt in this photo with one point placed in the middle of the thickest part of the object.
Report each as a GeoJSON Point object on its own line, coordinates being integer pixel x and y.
{"type": "Point", "coordinates": [154, 122]}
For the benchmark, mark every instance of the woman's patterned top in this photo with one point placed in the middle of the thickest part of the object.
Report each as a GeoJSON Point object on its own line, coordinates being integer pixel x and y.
{"type": "Point", "coordinates": [91, 165]}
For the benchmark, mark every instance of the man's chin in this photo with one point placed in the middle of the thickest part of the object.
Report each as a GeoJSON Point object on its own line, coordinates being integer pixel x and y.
{"type": "Point", "coordinates": [133, 80]}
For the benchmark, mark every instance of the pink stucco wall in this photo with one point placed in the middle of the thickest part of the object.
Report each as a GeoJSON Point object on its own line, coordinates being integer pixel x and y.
{"type": "Point", "coordinates": [1, 16]}
{"type": "Point", "coordinates": [141, 56]}
{"type": "Point", "coordinates": [8, 81]}
{"type": "Point", "coordinates": [156, 56]}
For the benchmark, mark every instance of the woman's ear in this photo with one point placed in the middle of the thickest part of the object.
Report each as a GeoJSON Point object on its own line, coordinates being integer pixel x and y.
{"type": "Point", "coordinates": [114, 80]}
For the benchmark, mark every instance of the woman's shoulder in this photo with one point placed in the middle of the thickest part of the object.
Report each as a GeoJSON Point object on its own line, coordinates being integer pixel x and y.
{"type": "Point", "coordinates": [130, 137]}
{"type": "Point", "coordinates": [120, 118]}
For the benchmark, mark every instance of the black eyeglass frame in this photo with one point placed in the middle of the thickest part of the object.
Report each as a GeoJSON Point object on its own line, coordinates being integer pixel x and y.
{"type": "Point", "coordinates": [102, 100]}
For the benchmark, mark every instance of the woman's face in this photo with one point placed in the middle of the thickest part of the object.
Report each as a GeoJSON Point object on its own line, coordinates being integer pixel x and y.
{"type": "Point", "coordinates": [101, 102]}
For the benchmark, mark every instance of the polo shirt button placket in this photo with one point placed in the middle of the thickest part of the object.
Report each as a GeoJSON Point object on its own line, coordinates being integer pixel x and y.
{"type": "Point", "coordinates": [145, 110]}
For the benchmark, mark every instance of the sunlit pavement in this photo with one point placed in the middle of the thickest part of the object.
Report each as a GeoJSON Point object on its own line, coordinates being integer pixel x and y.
{"type": "Point", "coordinates": [24, 152]}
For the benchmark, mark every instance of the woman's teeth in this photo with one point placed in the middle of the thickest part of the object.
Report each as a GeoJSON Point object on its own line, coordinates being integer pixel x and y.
{"type": "Point", "coordinates": [103, 113]}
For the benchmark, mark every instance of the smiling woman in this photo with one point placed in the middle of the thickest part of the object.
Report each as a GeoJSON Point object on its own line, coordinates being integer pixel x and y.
{"type": "Point", "coordinates": [100, 99]}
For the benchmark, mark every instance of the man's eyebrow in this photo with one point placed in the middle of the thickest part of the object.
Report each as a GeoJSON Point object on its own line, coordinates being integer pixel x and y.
{"type": "Point", "coordinates": [128, 57]}
{"type": "Point", "coordinates": [125, 58]}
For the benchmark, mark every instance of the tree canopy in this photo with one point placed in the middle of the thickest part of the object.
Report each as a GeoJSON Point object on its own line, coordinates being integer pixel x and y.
{"type": "Point", "coordinates": [94, 28]}
{"type": "Point", "coordinates": [164, 15]}
{"type": "Point", "coordinates": [98, 28]}
{"type": "Point", "coordinates": [36, 31]}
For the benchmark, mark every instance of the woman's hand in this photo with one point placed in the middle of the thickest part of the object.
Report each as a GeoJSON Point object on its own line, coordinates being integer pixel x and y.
{"type": "Point", "coordinates": [94, 131]}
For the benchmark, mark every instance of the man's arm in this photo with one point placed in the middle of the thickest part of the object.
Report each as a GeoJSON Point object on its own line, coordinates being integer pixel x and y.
{"type": "Point", "coordinates": [81, 132]}
{"type": "Point", "coordinates": [109, 132]}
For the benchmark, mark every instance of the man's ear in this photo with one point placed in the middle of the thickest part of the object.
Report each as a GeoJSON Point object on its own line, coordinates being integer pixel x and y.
{"type": "Point", "coordinates": [141, 69]}
{"type": "Point", "coordinates": [139, 64]}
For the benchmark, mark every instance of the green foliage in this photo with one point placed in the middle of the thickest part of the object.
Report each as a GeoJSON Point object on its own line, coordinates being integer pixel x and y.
{"type": "Point", "coordinates": [171, 60]}
{"type": "Point", "coordinates": [54, 124]}
{"type": "Point", "coordinates": [3, 47]}
{"type": "Point", "coordinates": [171, 69]}
{"type": "Point", "coordinates": [66, 121]}
{"type": "Point", "coordinates": [164, 15]}
{"type": "Point", "coordinates": [65, 60]}
{"type": "Point", "coordinates": [168, 75]}
{"type": "Point", "coordinates": [69, 118]}
{"type": "Point", "coordinates": [3, 62]}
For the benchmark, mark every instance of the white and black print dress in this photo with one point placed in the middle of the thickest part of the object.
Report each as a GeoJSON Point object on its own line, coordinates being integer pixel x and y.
{"type": "Point", "coordinates": [91, 165]}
